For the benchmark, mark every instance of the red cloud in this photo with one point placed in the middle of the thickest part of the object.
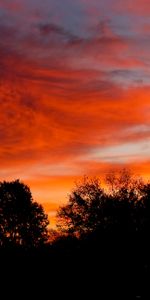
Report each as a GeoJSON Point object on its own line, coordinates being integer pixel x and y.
{"type": "Point", "coordinates": [15, 7]}
{"type": "Point", "coordinates": [63, 96]}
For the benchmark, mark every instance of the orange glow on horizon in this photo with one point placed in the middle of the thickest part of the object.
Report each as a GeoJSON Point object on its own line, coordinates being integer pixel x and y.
{"type": "Point", "coordinates": [74, 93]}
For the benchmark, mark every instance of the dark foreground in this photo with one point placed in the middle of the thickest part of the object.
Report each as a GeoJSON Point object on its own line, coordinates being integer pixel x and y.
{"type": "Point", "coordinates": [69, 269]}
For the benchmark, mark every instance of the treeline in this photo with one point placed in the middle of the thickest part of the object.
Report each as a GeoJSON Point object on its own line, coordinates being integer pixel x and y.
{"type": "Point", "coordinates": [102, 233]}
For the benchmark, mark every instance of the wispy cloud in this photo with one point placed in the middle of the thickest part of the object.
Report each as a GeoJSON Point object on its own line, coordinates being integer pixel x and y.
{"type": "Point", "coordinates": [74, 79]}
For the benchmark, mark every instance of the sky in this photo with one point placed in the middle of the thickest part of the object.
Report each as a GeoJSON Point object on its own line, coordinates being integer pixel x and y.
{"type": "Point", "coordinates": [74, 92]}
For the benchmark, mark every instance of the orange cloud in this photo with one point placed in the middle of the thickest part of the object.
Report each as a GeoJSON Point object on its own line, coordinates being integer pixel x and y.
{"type": "Point", "coordinates": [72, 103]}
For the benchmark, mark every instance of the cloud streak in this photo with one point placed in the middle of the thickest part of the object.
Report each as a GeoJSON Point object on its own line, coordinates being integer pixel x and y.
{"type": "Point", "coordinates": [72, 84]}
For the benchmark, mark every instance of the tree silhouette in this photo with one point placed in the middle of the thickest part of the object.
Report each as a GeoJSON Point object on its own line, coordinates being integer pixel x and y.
{"type": "Point", "coordinates": [112, 227]}
{"type": "Point", "coordinates": [114, 210]}
{"type": "Point", "coordinates": [81, 215]}
{"type": "Point", "coordinates": [22, 221]}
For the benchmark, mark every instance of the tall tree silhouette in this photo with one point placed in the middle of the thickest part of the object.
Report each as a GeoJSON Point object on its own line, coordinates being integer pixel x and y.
{"type": "Point", "coordinates": [82, 213]}
{"type": "Point", "coordinates": [113, 226]}
{"type": "Point", "coordinates": [113, 210]}
{"type": "Point", "coordinates": [22, 221]}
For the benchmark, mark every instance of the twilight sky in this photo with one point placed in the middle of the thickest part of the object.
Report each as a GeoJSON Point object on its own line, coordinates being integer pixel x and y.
{"type": "Point", "coordinates": [74, 91]}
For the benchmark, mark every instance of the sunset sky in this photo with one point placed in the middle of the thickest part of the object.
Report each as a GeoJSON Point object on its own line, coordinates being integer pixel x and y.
{"type": "Point", "coordinates": [74, 92]}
